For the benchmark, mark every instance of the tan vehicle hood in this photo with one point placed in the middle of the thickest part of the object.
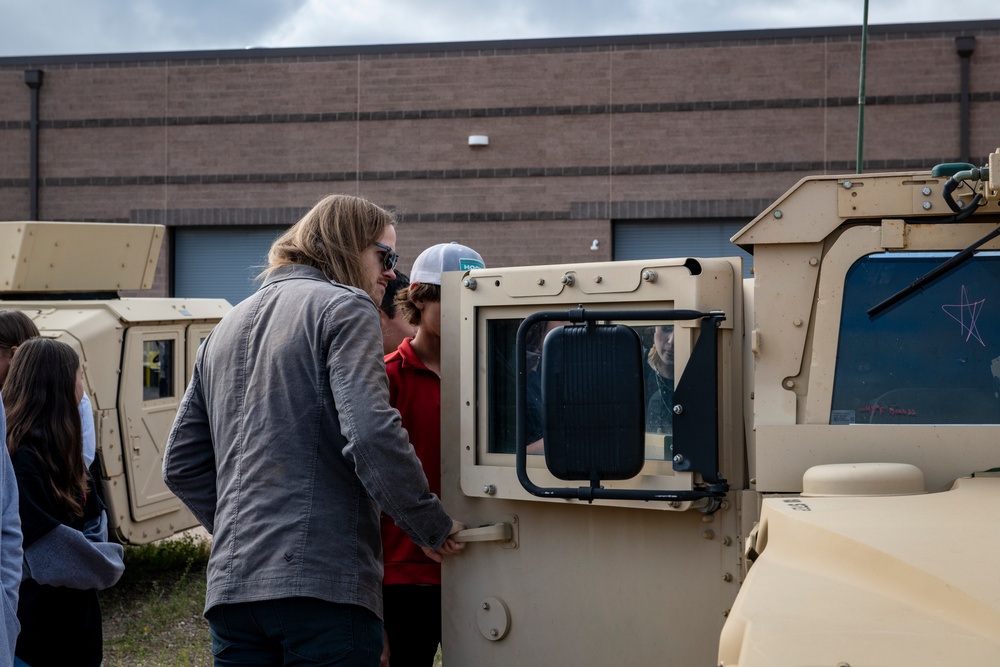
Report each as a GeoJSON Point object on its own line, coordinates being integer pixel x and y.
{"type": "Point", "coordinates": [861, 581]}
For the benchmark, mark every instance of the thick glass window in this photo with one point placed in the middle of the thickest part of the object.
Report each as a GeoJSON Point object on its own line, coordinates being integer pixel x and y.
{"type": "Point", "coordinates": [658, 378]}
{"type": "Point", "coordinates": [933, 358]}
{"type": "Point", "coordinates": [157, 369]}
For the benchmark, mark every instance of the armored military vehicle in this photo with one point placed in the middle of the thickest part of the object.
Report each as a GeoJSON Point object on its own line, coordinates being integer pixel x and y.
{"type": "Point", "coordinates": [137, 353]}
{"type": "Point", "coordinates": [821, 489]}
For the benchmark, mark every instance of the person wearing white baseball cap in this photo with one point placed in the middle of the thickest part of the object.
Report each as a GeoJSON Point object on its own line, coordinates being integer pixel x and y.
{"type": "Point", "coordinates": [431, 263]}
{"type": "Point", "coordinates": [411, 587]}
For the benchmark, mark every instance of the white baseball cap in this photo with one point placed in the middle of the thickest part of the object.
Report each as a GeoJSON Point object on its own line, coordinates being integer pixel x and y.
{"type": "Point", "coordinates": [431, 263]}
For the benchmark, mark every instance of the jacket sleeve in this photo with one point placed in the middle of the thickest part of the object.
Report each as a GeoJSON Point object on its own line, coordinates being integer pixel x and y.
{"type": "Point", "coordinates": [10, 547]}
{"type": "Point", "coordinates": [10, 540]}
{"type": "Point", "coordinates": [377, 444]}
{"type": "Point", "coordinates": [65, 557]}
{"type": "Point", "coordinates": [189, 457]}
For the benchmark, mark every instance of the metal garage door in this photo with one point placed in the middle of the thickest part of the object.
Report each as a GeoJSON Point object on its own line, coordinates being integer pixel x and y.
{"type": "Point", "coordinates": [653, 239]}
{"type": "Point", "coordinates": [220, 262]}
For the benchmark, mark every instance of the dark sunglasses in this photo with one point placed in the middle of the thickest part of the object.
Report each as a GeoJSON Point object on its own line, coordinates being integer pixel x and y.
{"type": "Point", "coordinates": [390, 257]}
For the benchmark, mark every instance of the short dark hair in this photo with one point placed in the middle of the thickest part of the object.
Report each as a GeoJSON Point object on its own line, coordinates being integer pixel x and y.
{"type": "Point", "coordinates": [421, 292]}
{"type": "Point", "coordinates": [388, 305]}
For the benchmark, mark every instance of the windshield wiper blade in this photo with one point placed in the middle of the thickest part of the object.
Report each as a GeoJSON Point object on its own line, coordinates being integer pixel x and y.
{"type": "Point", "coordinates": [932, 275]}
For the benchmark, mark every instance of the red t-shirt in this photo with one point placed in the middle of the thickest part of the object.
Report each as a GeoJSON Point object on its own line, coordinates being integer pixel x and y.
{"type": "Point", "coordinates": [415, 391]}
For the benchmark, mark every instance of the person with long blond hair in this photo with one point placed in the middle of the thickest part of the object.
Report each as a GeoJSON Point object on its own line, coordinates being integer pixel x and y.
{"type": "Point", "coordinates": [285, 448]}
{"type": "Point", "coordinates": [67, 558]}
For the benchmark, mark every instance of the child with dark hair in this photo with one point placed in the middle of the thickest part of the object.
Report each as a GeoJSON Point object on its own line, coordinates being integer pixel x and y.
{"type": "Point", "coordinates": [67, 557]}
{"type": "Point", "coordinates": [395, 325]}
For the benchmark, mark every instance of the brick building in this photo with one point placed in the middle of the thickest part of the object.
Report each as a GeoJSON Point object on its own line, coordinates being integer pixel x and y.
{"type": "Point", "coordinates": [653, 145]}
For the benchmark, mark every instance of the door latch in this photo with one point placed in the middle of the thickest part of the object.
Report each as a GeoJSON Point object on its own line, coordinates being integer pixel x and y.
{"type": "Point", "coordinates": [504, 532]}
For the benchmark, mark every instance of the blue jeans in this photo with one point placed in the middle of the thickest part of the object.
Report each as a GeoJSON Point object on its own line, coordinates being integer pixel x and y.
{"type": "Point", "coordinates": [294, 631]}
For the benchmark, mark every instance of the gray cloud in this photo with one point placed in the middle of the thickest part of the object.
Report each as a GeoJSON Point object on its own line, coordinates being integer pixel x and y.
{"type": "Point", "coordinates": [50, 27]}
{"type": "Point", "coordinates": [53, 27]}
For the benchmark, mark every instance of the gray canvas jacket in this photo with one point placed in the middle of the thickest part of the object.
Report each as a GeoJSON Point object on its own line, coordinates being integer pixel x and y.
{"type": "Point", "coordinates": [285, 447]}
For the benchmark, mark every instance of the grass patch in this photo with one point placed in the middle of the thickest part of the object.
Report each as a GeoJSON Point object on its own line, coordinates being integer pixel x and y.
{"type": "Point", "coordinates": [153, 616]}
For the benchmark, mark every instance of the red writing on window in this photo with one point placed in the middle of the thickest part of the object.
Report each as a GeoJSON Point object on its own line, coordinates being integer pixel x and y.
{"type": "Point", "coordinates": [886, 410]}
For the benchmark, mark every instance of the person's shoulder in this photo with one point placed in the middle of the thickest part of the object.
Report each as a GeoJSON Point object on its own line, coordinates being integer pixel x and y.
{"type": "Point", "coordinates": [324, 300]}
{"type": "Point", "coordinates": [347, 307]}
{"type": "Point", "coordinates": [294, 273]}
{"type": "Point", "coordinates": [308, 279]}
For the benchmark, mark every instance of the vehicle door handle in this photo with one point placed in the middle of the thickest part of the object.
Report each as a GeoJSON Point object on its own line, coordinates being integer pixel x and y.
{"type": "Point", "coordinates": [498, 532]}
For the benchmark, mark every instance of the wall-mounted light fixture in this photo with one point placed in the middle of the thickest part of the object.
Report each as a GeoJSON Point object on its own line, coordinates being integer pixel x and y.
{"type": "Point", "coordinates": [593, 246]}
{"type": "Point", "coordinates": [479, 140]}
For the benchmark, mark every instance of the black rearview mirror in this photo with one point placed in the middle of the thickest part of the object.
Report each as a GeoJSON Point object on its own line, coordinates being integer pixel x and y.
{"type": "Point", "coordinates": [593, 414]}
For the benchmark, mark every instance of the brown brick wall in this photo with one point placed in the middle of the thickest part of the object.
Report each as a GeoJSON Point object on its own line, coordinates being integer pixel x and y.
{"type": "Point", "coordinates": [582, 132]}
{"type": "Point", "coordinates": [264, 88]}
{"type": "Point", "coordinates": [280, 151]}
{"type": "Point", "coordinates": [14, 203]}
{"type": "Point", "coordinates": [521, 80]}
{"type": "Point", "coordinates": [16, 95]}
{"type": "Point", "coordinates": [14, 154]}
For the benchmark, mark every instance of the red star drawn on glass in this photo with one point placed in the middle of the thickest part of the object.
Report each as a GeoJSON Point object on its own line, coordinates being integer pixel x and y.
{"type": "Point", "coordinates": [966, 313]}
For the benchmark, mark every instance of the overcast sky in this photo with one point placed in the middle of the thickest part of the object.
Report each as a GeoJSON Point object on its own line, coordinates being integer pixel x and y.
{"type": "Point", "coordinates": [57, 27]}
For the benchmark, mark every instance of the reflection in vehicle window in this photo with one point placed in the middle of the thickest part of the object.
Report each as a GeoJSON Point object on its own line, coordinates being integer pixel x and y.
{"type": "Point", "coordinates": [157, 369]}
{"type": "Point", "coordinates": [659, 374]}
{"type": "Point", "coordinates": [934, 358]}
{"type": "Point", "coordinates": [658, 377]}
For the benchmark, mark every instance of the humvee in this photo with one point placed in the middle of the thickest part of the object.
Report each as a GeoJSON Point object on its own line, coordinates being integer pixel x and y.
{"type": "Point", "coordinates": [826, 492]}
{"type": "Point", "coordinates": [137, 353]}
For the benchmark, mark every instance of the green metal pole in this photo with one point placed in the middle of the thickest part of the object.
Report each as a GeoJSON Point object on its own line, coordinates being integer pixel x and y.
{"type": "Point", "coordinates": [861, 89]}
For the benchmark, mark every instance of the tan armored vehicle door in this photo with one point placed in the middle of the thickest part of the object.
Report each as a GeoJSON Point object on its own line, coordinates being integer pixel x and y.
{"type": "Point", "coordinates": [152, 384]}
{"type": "Point", "coordinates": [558, 580]}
